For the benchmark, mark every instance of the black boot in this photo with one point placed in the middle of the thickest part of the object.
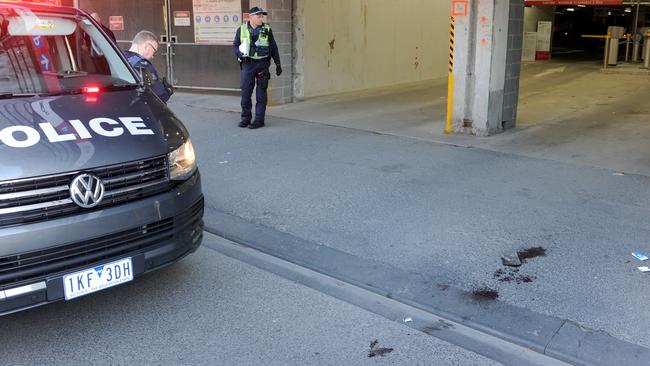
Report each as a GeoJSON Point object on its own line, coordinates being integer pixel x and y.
{"type": "Point", "coordinates": [243, 124]}
{"type": "Point", "coordinates": [256, 124]}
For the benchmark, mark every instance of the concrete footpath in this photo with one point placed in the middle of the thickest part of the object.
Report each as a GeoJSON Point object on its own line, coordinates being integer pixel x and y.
{"type": "Point", "coordinates": [568, 111]}
{"type": "Point", "coordinates": [415, 220]}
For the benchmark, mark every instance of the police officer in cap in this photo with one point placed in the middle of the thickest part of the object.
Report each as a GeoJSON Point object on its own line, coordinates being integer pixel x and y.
{"type": "Point", "coordinates": [143, 48]}
{"type": "Point", "coordinates": [254, 45]}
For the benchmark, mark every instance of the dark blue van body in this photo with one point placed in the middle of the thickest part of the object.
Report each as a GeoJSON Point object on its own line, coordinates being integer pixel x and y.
{"type": "Point", "coordinates": [98, 178]}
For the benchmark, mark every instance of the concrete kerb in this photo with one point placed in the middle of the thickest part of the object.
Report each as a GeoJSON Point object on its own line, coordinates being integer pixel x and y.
{"type": "Point", "coordinates": [558, 338]}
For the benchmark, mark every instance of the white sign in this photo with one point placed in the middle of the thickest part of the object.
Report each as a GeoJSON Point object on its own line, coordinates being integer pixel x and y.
{"type": "Point", "coordinates": [544, 33]}
{"type": "Point", "coordinates": [182, 19]}
{"type": "Point", "coordinates": [216, 21]}
{"type": "Point", "coordinates": [530, 46]}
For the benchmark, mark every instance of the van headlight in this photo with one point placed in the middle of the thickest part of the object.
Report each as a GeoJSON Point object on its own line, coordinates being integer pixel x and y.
{"type": "Point", "coordinates": [182, 161]}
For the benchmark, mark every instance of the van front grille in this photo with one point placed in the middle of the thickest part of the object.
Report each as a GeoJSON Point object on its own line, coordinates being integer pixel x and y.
{"type": "Point", "coordinates": [39, 264]}
{"type": "Point", "coordinates": [36, 199]}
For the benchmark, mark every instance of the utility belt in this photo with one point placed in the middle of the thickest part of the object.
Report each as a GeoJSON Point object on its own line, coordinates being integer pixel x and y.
{"type": "Point", "coordinates": [252, 60]}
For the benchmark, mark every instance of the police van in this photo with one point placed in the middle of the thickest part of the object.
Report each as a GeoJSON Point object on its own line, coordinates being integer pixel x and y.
{"type": "Point", "coordinates": [98, 178]}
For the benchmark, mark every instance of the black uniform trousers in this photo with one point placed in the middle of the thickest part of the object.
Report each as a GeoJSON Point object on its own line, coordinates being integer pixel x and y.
{"type": "Point", "coordinates": [254, 72]}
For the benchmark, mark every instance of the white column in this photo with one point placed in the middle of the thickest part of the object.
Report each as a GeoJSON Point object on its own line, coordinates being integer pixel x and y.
{"type": "Point", "coordinates": [481, 63]}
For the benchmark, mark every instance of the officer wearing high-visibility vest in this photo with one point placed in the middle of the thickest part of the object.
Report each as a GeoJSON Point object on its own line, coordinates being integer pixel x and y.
{"type": "Point", "coordinates": [254, 46]}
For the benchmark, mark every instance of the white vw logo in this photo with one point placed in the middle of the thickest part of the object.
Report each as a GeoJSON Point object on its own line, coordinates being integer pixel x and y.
{"type": "Point", "coordinates": [87, 190]}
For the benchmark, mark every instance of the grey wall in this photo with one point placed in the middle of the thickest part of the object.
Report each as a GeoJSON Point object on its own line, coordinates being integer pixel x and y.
{"type": "Point", "coordinates": [280, 18]}
{"type": "Point", "coordinates": [534, 14]}
{"type": "Point", "coordinates": [349, 45]}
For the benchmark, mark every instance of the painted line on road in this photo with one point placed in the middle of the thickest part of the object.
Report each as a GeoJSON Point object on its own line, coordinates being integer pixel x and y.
{"type": "Point", "coordinates": [550, 71]}
{"type": "Point", "coordinates": [482, 343]}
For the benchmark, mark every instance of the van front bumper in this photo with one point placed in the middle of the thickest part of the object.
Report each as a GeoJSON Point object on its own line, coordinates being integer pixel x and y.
{"type": "Point", "coordinates": [153, 232]}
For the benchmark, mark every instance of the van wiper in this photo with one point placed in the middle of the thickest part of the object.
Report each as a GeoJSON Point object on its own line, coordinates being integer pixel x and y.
{"type": "Point", "coordinates": [121, 86]}
{"type": "Point", "coordinates": [61, 92]}
{"type": "Point", "coordinates": [71, 74]}
{"type": "Point", "coordinates": [16, 95]}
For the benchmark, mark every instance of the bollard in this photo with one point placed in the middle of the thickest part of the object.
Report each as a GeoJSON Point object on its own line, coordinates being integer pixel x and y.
{"type": "Point", "coordinates": [646, 54]}
{"type": "Point", "coordinates": [636, 49]}
{"type": "Point", "coordinates": [612, 55]}
{"type": "Point", "coordinates": [606, 60]}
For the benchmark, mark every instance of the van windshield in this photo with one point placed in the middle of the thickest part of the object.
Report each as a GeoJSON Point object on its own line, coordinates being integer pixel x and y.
{"type": "Point", "coordinates": [43, 53]}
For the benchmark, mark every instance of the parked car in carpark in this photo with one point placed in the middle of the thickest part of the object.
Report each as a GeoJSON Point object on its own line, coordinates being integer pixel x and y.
{"type": "Point", "coordinates": [98, 178]}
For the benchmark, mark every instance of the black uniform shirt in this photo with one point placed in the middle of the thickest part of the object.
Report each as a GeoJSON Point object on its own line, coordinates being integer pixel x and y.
{"type": "Point", "coordinates": [138, 61]}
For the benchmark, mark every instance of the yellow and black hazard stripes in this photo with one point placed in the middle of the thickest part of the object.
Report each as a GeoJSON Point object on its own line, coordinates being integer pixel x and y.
{"type": "Point", "coordinates": [450, 79]}
{"type": "Point", "coordinates": [451, 44]}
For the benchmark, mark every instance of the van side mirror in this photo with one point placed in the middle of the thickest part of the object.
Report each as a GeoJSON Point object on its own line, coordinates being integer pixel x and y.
{"type": "Point", "coordinates": [145, 77]}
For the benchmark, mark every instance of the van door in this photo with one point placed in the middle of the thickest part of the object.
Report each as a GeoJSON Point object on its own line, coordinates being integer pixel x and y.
{"type": "Point", "coordinates": [127, 17]}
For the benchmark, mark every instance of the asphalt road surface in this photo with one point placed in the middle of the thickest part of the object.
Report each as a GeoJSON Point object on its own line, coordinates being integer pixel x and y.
{"type": "Point", "coordinates": [209, 309]}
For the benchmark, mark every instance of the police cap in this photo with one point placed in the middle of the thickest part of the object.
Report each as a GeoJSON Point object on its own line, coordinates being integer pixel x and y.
{"type": "Point", "coordinates": [256, 10]}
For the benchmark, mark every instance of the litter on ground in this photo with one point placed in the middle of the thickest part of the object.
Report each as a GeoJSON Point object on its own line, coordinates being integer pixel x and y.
{"type": "Point", "coordinates": [640, 256]}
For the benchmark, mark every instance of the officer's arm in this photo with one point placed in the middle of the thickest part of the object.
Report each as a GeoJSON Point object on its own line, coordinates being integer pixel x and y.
{"type": "Point", "coordinates": [275, 53]}
{"type": "Point", "coordinates": [158, 86]}
{"type": "Point", "coordinates": [236, 42]}
{"type": "Point", "coordinates": [133, 60]}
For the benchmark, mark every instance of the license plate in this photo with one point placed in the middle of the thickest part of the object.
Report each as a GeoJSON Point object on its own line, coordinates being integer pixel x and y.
{"type": "Point", "coordinates": [98, 278]}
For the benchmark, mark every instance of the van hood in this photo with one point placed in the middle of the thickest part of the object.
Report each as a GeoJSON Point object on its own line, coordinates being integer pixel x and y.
{"type": "Point", "coordinates": [67, 133]}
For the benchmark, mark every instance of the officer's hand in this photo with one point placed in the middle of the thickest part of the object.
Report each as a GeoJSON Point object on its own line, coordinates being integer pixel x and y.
{"type": "Point", "coordinates": [168, 86]}
{"type": "Point", "coordinates": [278, 70]}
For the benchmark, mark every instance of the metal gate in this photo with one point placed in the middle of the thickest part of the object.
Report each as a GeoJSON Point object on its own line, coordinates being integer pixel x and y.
{"type": "Point", "coordinates": [183, 60]}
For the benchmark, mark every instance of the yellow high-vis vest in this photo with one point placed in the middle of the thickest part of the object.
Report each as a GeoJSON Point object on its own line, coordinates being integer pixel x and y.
{"type": "Point", "coordinates": [262, 45]}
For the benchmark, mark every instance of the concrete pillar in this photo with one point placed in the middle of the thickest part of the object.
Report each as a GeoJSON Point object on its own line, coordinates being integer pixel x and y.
{"type": "Point", "coordinates": [487, 61]}
{"type": "Point", "coordinates": [513, 63]}
{"type": "Point", "coordinates": [281, 19]}
{"type": "Point", "coordinates": [298, 51]}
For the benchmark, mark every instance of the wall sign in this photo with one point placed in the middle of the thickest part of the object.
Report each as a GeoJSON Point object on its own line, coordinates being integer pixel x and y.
{"type": "Point", "coordinates": [116, 22]}
{"type": "Point", "coordinates": [182, 19]}
{"type": "Point", "coordinates": [216, 21]}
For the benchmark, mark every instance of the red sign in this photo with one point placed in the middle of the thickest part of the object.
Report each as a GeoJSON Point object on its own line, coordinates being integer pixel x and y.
{"type": "Point", "coordinates": [459, 8]}
{"type": "Point", "coordinates": [574, 2]}
{"type": "Point", "coordinates": [116, 22]}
